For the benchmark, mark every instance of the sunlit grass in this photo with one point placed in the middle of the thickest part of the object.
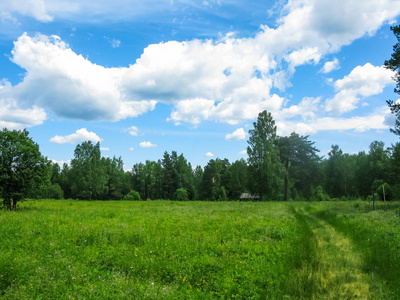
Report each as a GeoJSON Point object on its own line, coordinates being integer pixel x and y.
{"type": "Point", "coordinates": [147, 249]}
{"type": "Point", "coordinates": [198, 250]}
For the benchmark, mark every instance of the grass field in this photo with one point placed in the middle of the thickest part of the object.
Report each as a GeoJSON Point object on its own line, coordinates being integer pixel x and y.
{"type": "Point", "coordinates": [200, 250]}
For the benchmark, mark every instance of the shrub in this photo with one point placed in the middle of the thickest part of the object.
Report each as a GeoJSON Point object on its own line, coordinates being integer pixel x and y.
{"type": "Point", "coordinates": [181, 195]}
{"type": "Point", "coordinates": [133, 195]}
{"type": "Point", "coordinates": [55, 192]}
{"type": "Point", "coordinates": [320, 195]}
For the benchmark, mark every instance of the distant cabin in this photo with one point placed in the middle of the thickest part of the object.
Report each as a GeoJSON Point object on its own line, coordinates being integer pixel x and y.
{"type": "Point", "coordinates": [249, 197]}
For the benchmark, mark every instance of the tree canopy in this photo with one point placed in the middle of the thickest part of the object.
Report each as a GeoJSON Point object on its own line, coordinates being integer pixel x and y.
{"type": "Point", "coordinates": [265, 167]}
{"type": "Point", "coordinates": [23, 169]}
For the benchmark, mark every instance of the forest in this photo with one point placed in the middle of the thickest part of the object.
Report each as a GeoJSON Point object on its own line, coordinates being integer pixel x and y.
{"type": "Point", "coordinates": [278, 168]}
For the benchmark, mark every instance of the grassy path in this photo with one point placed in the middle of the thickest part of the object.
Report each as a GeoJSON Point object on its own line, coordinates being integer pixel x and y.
{"type": "Point", "coordinates": [336, 269]}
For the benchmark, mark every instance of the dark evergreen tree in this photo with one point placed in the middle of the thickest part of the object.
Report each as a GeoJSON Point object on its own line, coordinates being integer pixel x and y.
{"type": "Point", "coordinates": [265, 169]}
{"type": "Point", "coordinates": [300, 159]}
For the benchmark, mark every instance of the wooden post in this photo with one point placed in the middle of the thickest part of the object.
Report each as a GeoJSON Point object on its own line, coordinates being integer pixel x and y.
{"type": "Point", "coordinates": [384, 197]}
{"type": "Point", "coordinates": [373, 201]}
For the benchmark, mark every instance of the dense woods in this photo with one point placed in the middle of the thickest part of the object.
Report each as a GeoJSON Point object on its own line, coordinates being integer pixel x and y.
{"type": "Point", "coordinates": [278, 168]}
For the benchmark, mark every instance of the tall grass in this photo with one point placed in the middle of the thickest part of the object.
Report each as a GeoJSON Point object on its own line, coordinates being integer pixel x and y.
{"type": "Point", "coordinates": [160, 249]}
{"type": "Point", "coordinates": [376, 236]}
{"type": "Point", "coordinates": [192, 250]}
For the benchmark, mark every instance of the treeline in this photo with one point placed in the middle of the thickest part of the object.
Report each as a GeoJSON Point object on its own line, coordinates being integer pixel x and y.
{"type": "Point", "coordinates": [301, 175]}
{"type": "Point", "coordinates": [277, 168]}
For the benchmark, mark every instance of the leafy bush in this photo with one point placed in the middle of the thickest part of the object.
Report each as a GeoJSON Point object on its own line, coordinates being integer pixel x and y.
{"type": "Point", "coordinates": [320, 195]}
{"type": "Point", "coordinates": [181, 195]}
{"type": "Point", "coordinates": [133, 195]}
{"type": "Point", "coordinates": [55, 192]}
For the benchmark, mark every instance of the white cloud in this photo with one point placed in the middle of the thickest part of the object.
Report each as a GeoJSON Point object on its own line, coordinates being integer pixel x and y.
{"type": "Point", "coordinates": [104, 148]}
{"type": "Point", "coordinates": [133, 130]}
{"type": "Point", "coordinates": [190, 75]}
{"type": "Point", "coordinates": [81, 135]}
{"type": "Point", "coordinates": [70, 85]}
{"type": "Point", "coordinates": [244, 152]}
{"type": "Point", "coordinates": [237, 135]}
{"type": "Point", "coordinates": [307, 109]}
{"type": "Point", "coordinates": [357, 124]}
{"type": "Point", "coordinates": [363, 81]}
{"type": "Point", "coordinates": [131, 149]}
{"type": "Point", "coordinates": [147, 145]}
{"type": "Point", "coordinates": [33, 8]}
{"type": "Point", "coordinates": [209, 154]}
{"type": "Point", "coordinates": [18, 116]}
{"type": "Point", "coordinates": [330, 66]}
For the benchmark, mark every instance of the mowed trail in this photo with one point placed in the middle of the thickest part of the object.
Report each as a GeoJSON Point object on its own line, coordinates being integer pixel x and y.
{"type": "Point", "coordinates": [336, 269]}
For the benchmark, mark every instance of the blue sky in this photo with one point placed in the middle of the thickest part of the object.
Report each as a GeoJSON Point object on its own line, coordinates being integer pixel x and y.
{"type": "Point", "coordinates": [144, 77]}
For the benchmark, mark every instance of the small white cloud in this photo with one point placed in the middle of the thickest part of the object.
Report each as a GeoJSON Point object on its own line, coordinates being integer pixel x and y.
{"type": "Point", "coordinates": [104, 149]}
{"type": "Point", "coordinates": [131, 149]}
{"type": "Point", "coordinates": [209, 154]}
{"type": "Point", "coordinates": [81, 135]}
{"type": "Point", "coordinates": [330, 66]}
{"type": "Point", "coordinates": [115, 43]}
{"type": "Point", "coordinates": [133, 130]}
{"type": "Point", "coordinates": [244, 152]}
{"type": "Point", "coordinates": [147, 145]}
{"type": "Point", "coordinates": [237, 135]}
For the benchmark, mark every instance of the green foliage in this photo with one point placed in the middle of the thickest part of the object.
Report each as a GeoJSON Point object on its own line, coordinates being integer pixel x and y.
{"type": "Point", "coordinates": [265, 168]}
{"type": "Point", "coordinates": [181, 195]}
{"type": "Point", "coordinates": [320, 195]}
{"type": "Point", "coordinates": [89, 180]}
{"type": "Point", "coordinates": [222, 194]}
{"type": "Point", "coordinates": [384, 192]}
{"type": "Point", "coordinates": [54, 191]}
{"type": "Point", "coordinates": [133, 195]}
{"type": "Point", "coordinates": [23, 170]}
{"type": "Point", "coordinates": [300, 159]}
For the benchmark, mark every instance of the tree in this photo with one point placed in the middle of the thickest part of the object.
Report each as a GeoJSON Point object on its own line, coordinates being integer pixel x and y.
{"type": "Point", "coordinates": [300, 160]}
{"type": "Point", "coordinates": [22, 167]}
{"type": "Point", "coordinates": [88, 174]}
{"type": "Point", "coordinates": [181, 195]}
{"type": "Point", "coordinates": [264, 163]}
{"type": "Point", "coordinates": [394, 64]}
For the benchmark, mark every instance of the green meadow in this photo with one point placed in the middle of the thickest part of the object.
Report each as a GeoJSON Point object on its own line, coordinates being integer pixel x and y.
{"type": "Point", "coordinates": [65, 249]}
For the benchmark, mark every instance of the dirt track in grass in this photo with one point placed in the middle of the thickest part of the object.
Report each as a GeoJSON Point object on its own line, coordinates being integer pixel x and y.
{"type": "Point", "coordinates": [336, 268]}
